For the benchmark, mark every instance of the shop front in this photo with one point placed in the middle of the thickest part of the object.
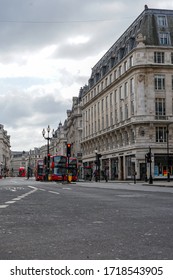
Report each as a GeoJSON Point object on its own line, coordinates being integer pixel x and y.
{"type": "Point", "coordinates": [163, 163]}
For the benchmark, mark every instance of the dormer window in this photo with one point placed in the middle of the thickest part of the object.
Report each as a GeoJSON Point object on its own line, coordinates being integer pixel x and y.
{"type": "Point", "coordinates": [164, 38]}
{"type": "Point", "coordinates": [162, 21]}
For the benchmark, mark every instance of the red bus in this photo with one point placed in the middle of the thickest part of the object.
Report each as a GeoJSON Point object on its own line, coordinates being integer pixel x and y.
{"type": "Point", "coordinates": [58, 168]}
{"type": "Point", "coordinates": [73, 168]}
{"type": "Point", "coordinates": [22, 172]}
{"type": "Point", "coordinates": [39, 171]}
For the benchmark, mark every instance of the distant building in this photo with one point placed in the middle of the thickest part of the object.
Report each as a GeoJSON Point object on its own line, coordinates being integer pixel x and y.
{"type": "Point", "coordinates": [128, 104]}
{"type": "Point", "coordinates": [4, 152]}
{"type": "Point", "coordinates": [26, 159]}
{"type": "Point", "coordinates": [74, 127]}
{"type": "Point", "coordinates": [58, 142]}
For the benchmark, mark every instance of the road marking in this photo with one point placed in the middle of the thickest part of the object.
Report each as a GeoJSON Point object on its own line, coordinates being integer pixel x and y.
{"type": "Point", "coordinates": [66, 189]}
{"type": "Point", "coordinates": [19, 197]}
{"type": "Point", "coordinates": [54, 192]}
{"type": "Point", "coordinates": [42, 190]}
{"type": "Point", "coordinates": [3, 206]}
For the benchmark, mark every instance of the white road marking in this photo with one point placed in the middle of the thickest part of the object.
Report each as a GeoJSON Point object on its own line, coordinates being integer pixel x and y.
{"type": "Point", "coordinates": [54, 192]}
{"type": "Point", "coordinates": [10, 202]}
{"type": "Point", "coordinates": [19, 197]}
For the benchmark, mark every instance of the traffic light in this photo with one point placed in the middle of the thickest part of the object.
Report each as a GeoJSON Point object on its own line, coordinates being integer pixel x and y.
{"type": "Point", "coordinates": [45, 160]}
{"type": "Point", "coordinates": [98, 156]}
{"type": "Point", "coordinates": [68, 150]}
{"type": "Point", "coordinates": [148, 157]}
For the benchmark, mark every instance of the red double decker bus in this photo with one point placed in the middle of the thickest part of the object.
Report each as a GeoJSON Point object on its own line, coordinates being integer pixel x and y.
{"type": "Point", "coordinates": [22, 172]}
{"type": "Point", "coordinates": [39, 170]}
{"type": "Point", "coordinates": [58, 168]}
{"type": "Point", "coordinates": [73, 168]}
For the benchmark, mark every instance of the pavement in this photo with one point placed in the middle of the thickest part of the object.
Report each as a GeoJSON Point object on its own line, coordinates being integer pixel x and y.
{"type": "Point", "coordinates": [156, 183]}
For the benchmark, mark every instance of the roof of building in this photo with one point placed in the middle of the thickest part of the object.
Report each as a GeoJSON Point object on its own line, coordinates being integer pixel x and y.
{"type": "Point", "coordinates": [148, 27]}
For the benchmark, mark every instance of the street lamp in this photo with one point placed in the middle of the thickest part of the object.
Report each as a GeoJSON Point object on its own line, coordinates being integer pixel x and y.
{"type": "Point", "coordinates": [48, 138]}
{"type": "Point", "coordinates": [98, 156]}
{"type": "Point", "coordinates": [168, 170]}
{"type": "Point", "coordinates": [96, 162]}
{"type": "Point", "coordinates": [149, 159]}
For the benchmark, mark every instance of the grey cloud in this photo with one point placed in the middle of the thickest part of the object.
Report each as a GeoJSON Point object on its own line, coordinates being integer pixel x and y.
{"type": "Point", "coordinates": [21, 109]}
{"type": "Point", "coordinates": [26, 25]}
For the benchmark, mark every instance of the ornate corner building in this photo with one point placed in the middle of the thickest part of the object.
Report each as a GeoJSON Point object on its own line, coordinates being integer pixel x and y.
{"type": "Point", "coordinates": [127, 106]}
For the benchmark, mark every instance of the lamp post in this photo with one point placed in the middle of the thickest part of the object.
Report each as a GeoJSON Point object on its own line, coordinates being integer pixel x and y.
{"type": "Point", "coordinates": [150, 161]}
{"type": "Point", "coordinates": [29, 162]}
{"type": "Point", "coordinates": [168, 171]}
{"type": "Point", "coordinates": [48, 138]}
{"type": "Point", "coordinates": [96, 171]}
{"type": "Point", "coordinates": [98, 156]}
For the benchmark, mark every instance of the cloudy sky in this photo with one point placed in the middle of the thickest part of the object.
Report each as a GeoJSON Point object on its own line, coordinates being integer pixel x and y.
{"type": "Point", "coordinates": [47, 50]}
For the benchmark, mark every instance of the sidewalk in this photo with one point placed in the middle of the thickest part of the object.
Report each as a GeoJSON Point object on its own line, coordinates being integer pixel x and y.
{"type": "Point", "coordinates": [156, 183]}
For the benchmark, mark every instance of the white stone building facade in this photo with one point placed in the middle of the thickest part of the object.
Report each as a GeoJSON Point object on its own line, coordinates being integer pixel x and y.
{"type": "Point", "coordinates": [128, 106]}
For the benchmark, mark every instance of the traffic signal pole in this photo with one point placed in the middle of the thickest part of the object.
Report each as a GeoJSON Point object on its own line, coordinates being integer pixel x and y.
{"type": "Point", "coordinates": [150, 177]}
{"type": "Point", "coordinates": [68, 160]}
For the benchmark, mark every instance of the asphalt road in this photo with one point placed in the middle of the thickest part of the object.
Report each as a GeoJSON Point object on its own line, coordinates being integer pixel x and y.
{"type": "Point", "coordinates": [84, 221]}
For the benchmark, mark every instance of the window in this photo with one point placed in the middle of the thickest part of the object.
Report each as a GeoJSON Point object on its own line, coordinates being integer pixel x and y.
{"type": "Point", "coordinates": [102, 105]}
{"type": "Point", "coordinates": [106, 102]}
{"type": "Point", "coordinates": [95, 111]}
{"type": "Point", "coordinates": [121, 114]}
{"type": "Point", "coordinates": [172, 58]}
{"type": "Point", "coordinates": [115, 96]}
{"type": "Point", "coordinates": [107, 121]}
{"type": "Point", "coordinates": [102, 122]}
{"type": "Point", "coordinates": [132, 108]}
{"type": "Point", "coordinates": [111, 99]}
{"type": "Point", "coordinates": [98, 124]}
{"type": "Point", "coordinates": [161, 134]}
{"type": "Point", "coordinates": [131, 61]}
{"type": "Point", "coordinates": [115, 74]}
{"type": "Point", "coordinates": [126, 90]}
{"type": "Point", "coordinates": [125, 66]}
{"type": "Point", "coordinates": [106, 82]}
{"type": "Point", "coordinates": [164, 38]}
{"type": "Point", "coordinates": [111, 118]}
{"type": "Point", "coordinates": [159, 57]}
{"type": "Point", "coordinates": [161, 20]}
{"type": "Point", "coordinates": [160, 107]}
{"type": "Point", "coordinates": [126, 111]}
{"type": "Point", "coordinates": [116, 116]}
{"type": "Point", "coordinates": [120, 93]}
{"type": "Point", "coordinates": [132, 86]}
{"type": "Point", "coordinates": [102, 85]}
{"type": "Point", "coordinates": [159, 82]}
{"type": "Point", "coordinates": [98, 108]}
